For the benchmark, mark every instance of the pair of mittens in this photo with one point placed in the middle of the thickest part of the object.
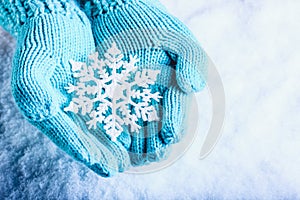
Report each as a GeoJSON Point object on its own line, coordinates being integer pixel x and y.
{"type": "Point", "coordinates": [51, 33]}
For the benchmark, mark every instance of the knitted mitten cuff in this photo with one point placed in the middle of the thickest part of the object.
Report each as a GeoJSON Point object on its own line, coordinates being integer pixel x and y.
{"type": "Point", "coordinates": [13, 14]}
{"type": "Point", "coordinates": [93, 8]}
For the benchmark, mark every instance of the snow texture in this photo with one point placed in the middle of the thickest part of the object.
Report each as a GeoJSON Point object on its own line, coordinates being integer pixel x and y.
{"type": "Point", "coordinates": [255, 46]}
{"type": "Point", "coordinates": [113, 92]}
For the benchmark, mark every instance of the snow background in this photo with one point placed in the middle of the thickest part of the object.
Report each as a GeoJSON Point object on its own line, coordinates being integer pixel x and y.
{"type": "Point", "coordinates": [255, 46]}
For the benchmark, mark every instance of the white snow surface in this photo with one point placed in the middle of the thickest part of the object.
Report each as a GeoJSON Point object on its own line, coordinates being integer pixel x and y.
{"type": "Point", "coordinates": [255, 46]}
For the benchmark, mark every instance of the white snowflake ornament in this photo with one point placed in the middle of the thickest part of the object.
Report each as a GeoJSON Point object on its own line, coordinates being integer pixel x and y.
{"type": "Point", "coordinates": [106, 88]}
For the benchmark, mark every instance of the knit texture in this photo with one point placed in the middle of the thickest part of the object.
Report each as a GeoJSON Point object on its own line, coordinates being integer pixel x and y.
{"type": "Point", "coordinates": [144, 28]}
{"type": "Point", "coordinates": [50, 34]}
{"type": "Point", "coordinates": [15, 13]}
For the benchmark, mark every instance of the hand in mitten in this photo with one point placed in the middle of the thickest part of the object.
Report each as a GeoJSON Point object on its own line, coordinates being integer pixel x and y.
{"type": "Point", "coordinates": [50, 33]}
{"type": "Point", "coordinates": [145, 30]}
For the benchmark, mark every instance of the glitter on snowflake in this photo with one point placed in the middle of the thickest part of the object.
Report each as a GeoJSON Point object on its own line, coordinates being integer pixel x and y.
{"type": "Point", "coordinates": [113, 92]}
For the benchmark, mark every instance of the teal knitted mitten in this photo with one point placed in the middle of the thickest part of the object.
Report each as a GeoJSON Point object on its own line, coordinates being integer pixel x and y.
{"type": "Point", "coordinates": [143, 28]}
{"type": "Point", "coordinates": [50, 33]}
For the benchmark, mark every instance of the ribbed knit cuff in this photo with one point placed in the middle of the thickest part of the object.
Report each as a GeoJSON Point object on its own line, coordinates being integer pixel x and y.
{"type": "Point", "coordinates": [93, 8]}
{"type": "Point", "coordinates": [14, 14]}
